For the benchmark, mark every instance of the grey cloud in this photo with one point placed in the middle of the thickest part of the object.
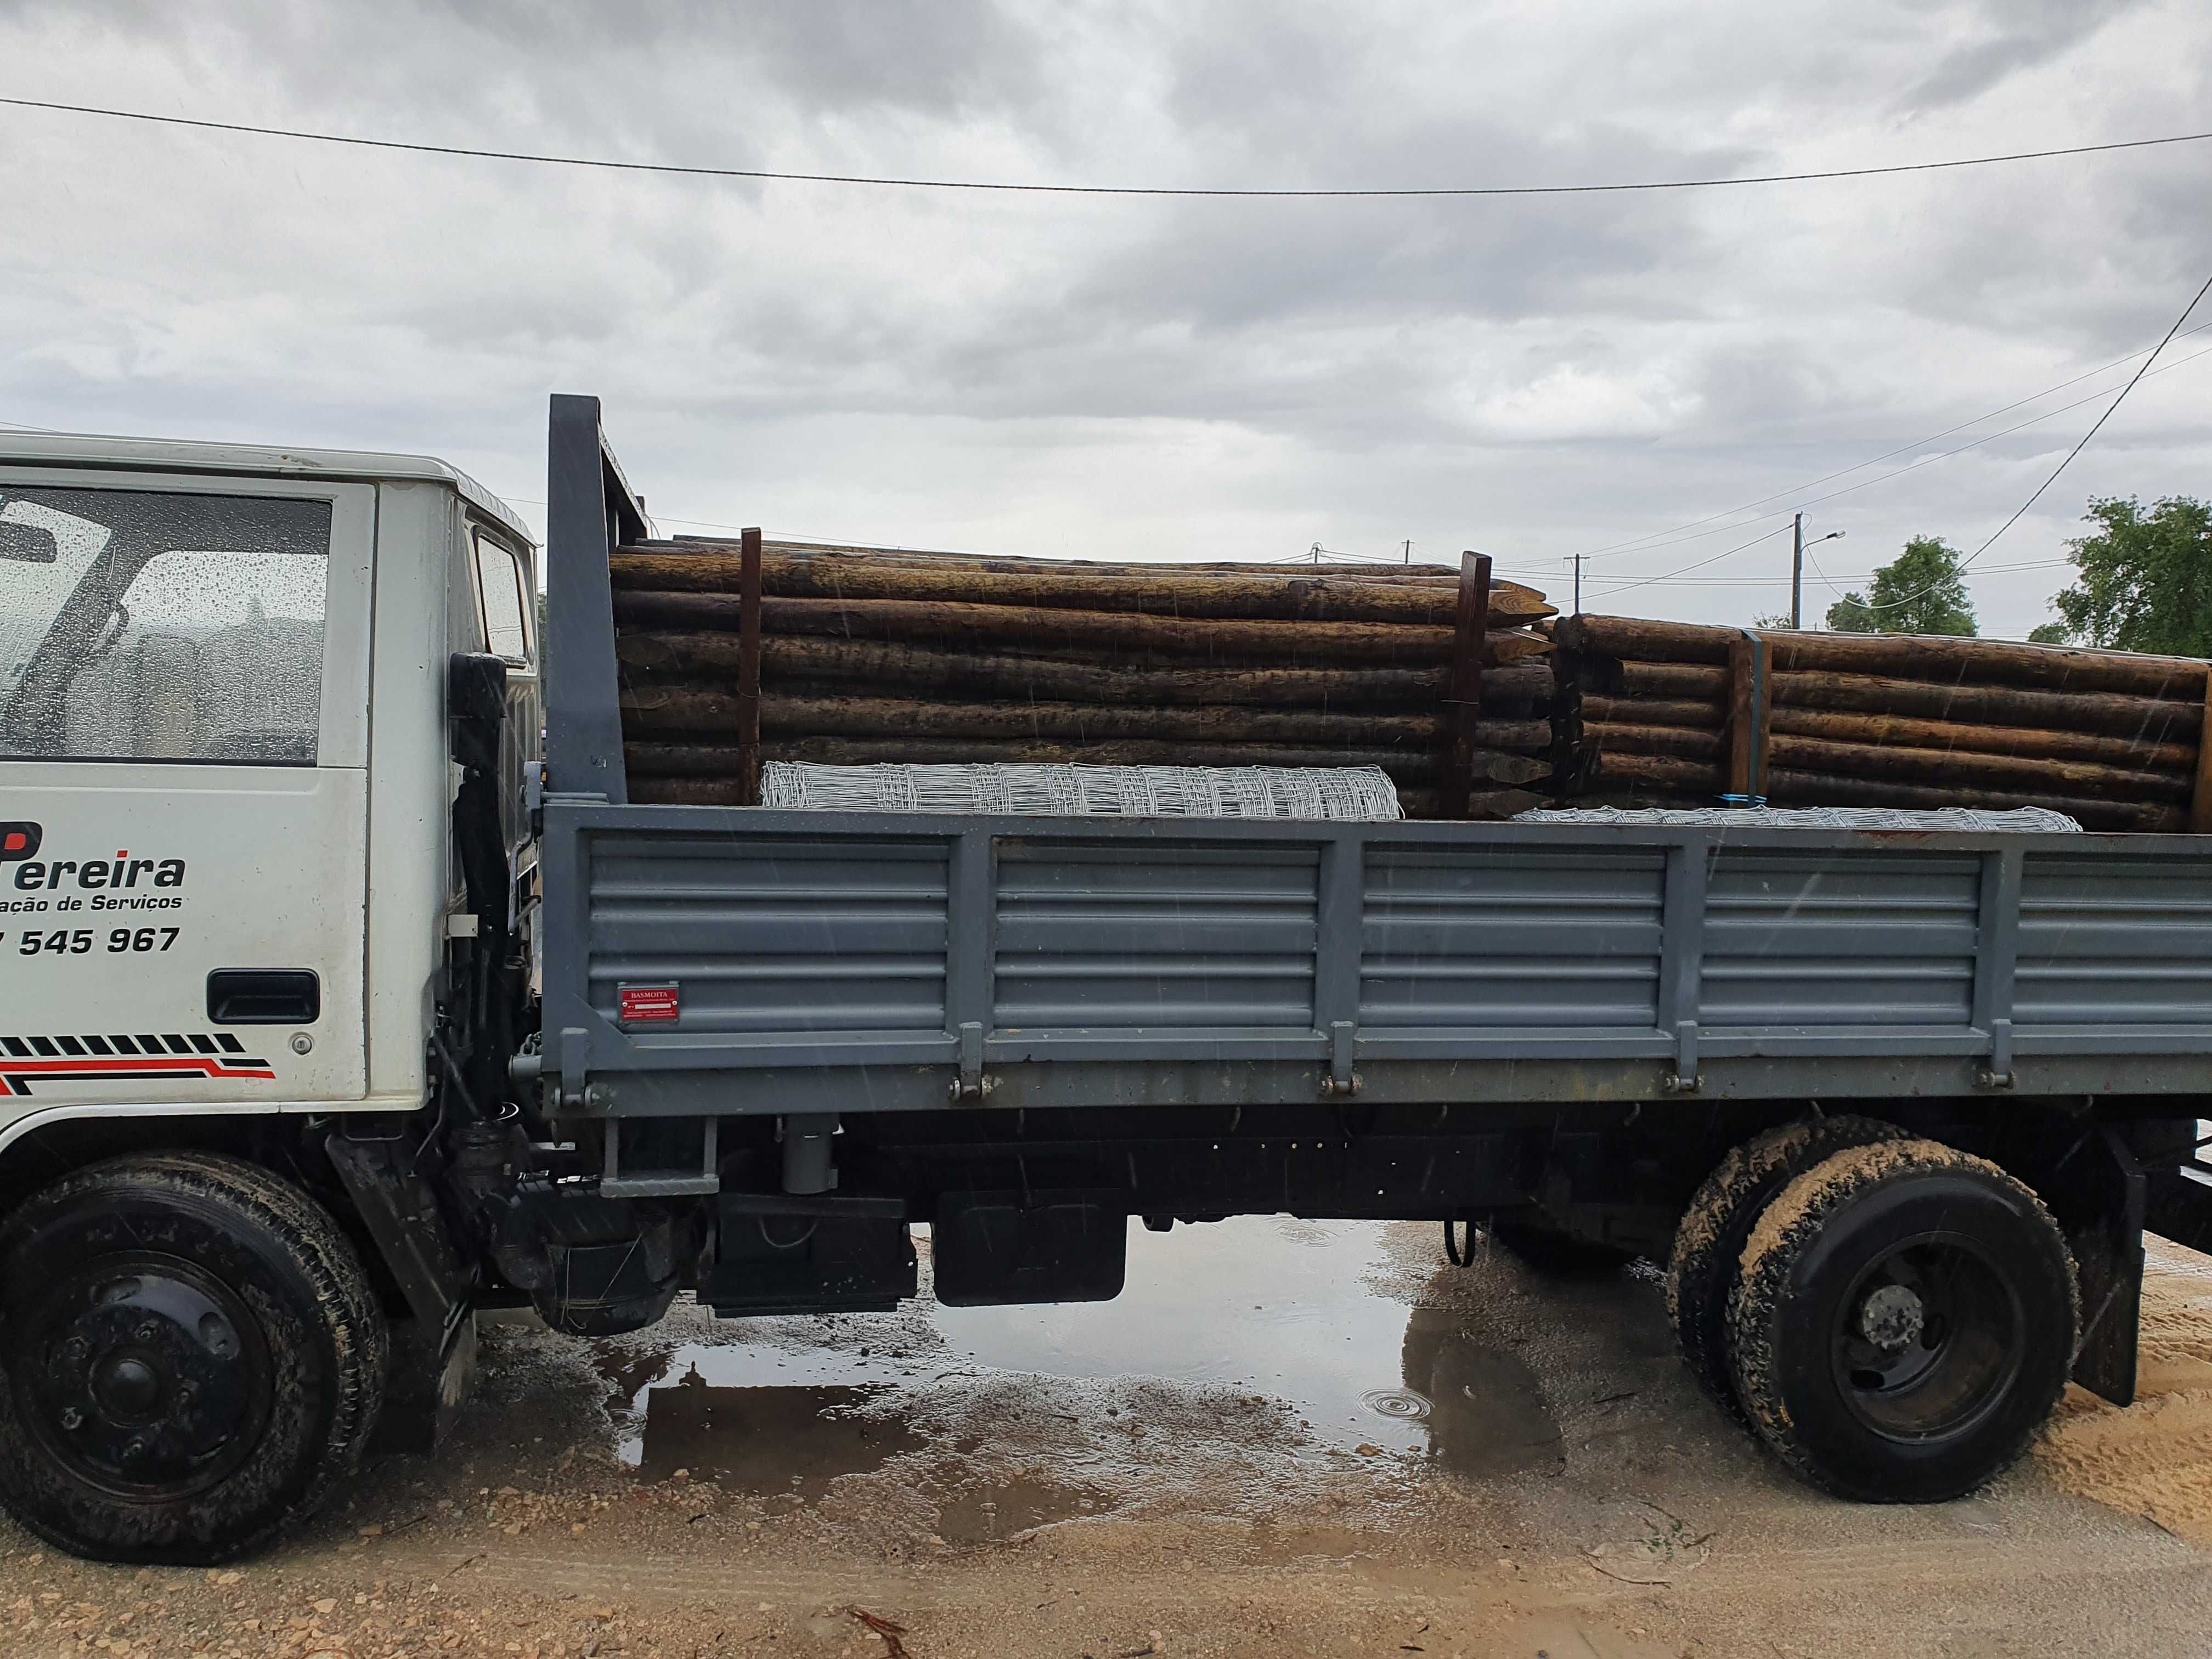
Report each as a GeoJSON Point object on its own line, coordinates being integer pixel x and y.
{"type": "Point", "coordinates": [2012, 35]}
{"type": "Point", "coordinates": [1530, 376]}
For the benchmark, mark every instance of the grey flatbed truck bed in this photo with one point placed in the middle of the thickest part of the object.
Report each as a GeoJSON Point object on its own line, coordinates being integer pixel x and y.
{"type": "Point", "coordinates": [868, 963]}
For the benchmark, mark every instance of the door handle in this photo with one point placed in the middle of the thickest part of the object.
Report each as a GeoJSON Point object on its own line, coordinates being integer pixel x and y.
{"type": "Point", "coordinates": [263, 996]}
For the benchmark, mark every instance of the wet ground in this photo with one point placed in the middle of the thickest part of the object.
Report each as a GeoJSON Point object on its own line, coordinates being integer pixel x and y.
{"type": "Point", "coordinates": [1286, 1437]}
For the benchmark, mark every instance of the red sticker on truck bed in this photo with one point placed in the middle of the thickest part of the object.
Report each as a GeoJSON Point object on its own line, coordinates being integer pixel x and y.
{"type": "Point", "coordinates": [648, 1005]}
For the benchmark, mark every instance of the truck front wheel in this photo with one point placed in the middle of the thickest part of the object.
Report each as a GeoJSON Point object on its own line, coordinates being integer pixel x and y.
{"type": "Point", "coordinates": [1902, 1322]}
{"type": "Point", "coordinates": [190, 1357]}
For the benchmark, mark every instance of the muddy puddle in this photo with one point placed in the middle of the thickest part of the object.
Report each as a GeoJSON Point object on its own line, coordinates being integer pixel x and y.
{"type": "Point", "coordinates": [1256, 1313]}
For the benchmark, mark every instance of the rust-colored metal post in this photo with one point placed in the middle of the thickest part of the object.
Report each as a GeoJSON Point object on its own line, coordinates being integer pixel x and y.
{"type": "Point", "coordinates": [1464, 698]}
{"type": "Point", "coordinates": [749, 668]}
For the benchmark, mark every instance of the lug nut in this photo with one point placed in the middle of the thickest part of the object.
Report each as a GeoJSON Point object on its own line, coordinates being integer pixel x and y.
{"type": "Point", "coordinates": [146, 1333]}
{"type": "Point", "coordinates": [72, 1418]}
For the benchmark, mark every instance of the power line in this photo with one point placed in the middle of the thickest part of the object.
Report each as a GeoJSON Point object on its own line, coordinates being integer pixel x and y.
{"type": "Point", "coordinates": [2021, 512]}
{"type": "Point", "coordinates": [680, 170]}
{"type": "Point", "coordinates": [1648, 581]}
{"type": "Point", "coordinates": [1670, 536]}
{"type": "Point", "coordinates": [1929, 460]}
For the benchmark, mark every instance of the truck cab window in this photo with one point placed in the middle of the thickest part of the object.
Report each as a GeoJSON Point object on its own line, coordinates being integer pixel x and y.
{"type": "Point", "coordinates": [135, 625]}
{"type": "Point", "coordinates": [499, 585]}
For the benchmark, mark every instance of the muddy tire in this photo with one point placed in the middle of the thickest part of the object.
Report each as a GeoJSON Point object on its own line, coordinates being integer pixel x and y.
{"type": "Point", "coordinates": [191, 1357]}
{"type": "Point", "coordinates": [1709, 1242]}
{"type": "Point", "coordinates": [1902, 1322]}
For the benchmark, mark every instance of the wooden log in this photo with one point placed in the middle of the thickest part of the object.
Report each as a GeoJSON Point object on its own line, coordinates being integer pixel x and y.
{"type": "Point", "coordinates": [1159, 590]}
{"type": "Point", "coordinates": [1641, 640]}
{"type": "Point", "coordinates": [1948, 735]}
{"type": "Point", "coordinates": [1902, 656]}
{"type": "Point", "coordinates": [2048, 667]}
{"type": "Point", "coordinates": [1444, 575]}
{"type": "Point", "coordinates": [880, 667]}
{"type": "Point", "coordinates": [688, 792]}
{"type": "Point", "coordinates": [2144, 719]}
{"type": "Point", "coordinates": [1687, 777]}
{"type": "Point", "coordinates": [1956, 770]}
{"type": "Point", "coordinates": [653, 759]}
{"type": "Point", "coordinates": [1613, 738]}
{"type": "Point", "coordinates": [1789, 787]}
{"type": "Point", "coordinates": [1463, 701]}
{"type": "Point", "coordinates": [1688, 682]}
{"type": "Point", "coordinates": [683, 708]}
{"type": "Point", "coordinates": [1639, 711]}
{"type": "Point", "coordinates": [916, 620]}
{"type": "Point", "coordinates": [1483, 806]}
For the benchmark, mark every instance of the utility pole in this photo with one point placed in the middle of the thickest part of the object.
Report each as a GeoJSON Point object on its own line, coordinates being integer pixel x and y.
{"type": "Point", "coordinates": [1797, 567]}
{"type": "Point", "coordinates": [1409, 550]}
{"type": "Point", "coordinates": [1578, 584]}
{"type": "Point", "coordinates": [1797, 572]}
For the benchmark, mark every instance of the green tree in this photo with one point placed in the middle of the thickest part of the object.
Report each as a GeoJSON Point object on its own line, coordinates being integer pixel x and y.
{"type": "Point", "coordinates": [1922, 590]}
{"type": "Point", "coordinates": [2050, 634]}
{"type": "Point", "coordinates": [2145, 582]}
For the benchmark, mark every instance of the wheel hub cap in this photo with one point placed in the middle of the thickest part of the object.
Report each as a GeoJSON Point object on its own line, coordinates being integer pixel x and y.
{"type": "Point", "coordinates": [145, 1378]}
{"type": "Point", "coordinates": [1892, 1317]}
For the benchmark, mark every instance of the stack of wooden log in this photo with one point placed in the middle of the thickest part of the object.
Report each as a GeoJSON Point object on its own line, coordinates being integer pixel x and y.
{"type": "Point", "coordinates": [733, 653]}
{"type": "Point", "coordinates": [1655, 714]}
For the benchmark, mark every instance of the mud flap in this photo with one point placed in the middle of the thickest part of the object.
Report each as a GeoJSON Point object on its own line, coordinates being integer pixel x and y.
{"type": "Point", "coordinates": [2096, 1190]}
{"type": "Point", "coordinates": [800, 1260]}
{"type": "Point", "coordinates": [992, 1248]}
{"type": "Point", "coordinates": [432, 1372]}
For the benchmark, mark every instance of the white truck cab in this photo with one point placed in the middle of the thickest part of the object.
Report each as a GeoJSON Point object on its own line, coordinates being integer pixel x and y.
{"type": "Point", "coordinates": [224, 884]}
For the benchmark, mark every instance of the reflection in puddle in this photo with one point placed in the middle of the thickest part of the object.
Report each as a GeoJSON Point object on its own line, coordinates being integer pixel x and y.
{"type": "Point", "coordinates": [765, 1440]}
{"type": "Point", "coordinates": [1485, 1412]}
{"type": "Point", "coordinates": [1254, 1307]}
{"type": "Point", "coordinates": [984, 1514]}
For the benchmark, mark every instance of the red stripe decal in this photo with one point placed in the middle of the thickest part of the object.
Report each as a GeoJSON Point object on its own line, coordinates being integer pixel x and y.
{"type": "Point", "coordinates": [140, 1065]}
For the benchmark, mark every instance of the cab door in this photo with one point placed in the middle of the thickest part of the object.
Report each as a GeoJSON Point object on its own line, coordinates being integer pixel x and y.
{"type": "Point", "coordinates": [184, 673]}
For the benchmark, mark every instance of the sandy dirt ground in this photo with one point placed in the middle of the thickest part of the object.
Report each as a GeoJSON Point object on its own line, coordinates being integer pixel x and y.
{"type": "Point", "coordinates": [1287, 1438]}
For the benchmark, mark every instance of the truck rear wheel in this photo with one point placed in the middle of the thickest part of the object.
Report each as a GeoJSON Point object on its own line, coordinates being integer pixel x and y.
{"type": "Point", "coordinates": [1903, 1321]}
{"type": "Point", "coordinates": [190, 1357]}
{"type": "Point", "coordinates": [1709, 1242]}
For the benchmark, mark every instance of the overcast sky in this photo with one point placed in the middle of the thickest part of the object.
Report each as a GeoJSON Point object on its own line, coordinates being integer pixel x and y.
{"type": "Point", "coordinates": [1155, 378]}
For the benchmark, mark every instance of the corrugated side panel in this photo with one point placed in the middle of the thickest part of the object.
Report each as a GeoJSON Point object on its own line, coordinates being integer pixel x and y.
{"type": "Point", "coordinates": [774, 935]}
{"type": "Point", "coordinates": [1882, 938]}
{"type": "Point", "coordinates": [1100, 936]}
{"type": "Point", "coordinates": [1474, 937]}
{"type": "Point", "coordinates": [2113, 941]}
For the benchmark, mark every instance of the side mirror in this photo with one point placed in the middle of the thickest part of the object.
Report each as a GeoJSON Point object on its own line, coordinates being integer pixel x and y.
{"type": "Point", "coordinates": [476, 708]}
{"type": "Point", "coordinates": [28, 543]}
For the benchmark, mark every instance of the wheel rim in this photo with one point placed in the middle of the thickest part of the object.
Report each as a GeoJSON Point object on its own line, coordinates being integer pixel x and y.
{"type": "Point", "coordinates": [1928, 1340]}
{"type": "Point", "coordinates": [144, 1376]}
